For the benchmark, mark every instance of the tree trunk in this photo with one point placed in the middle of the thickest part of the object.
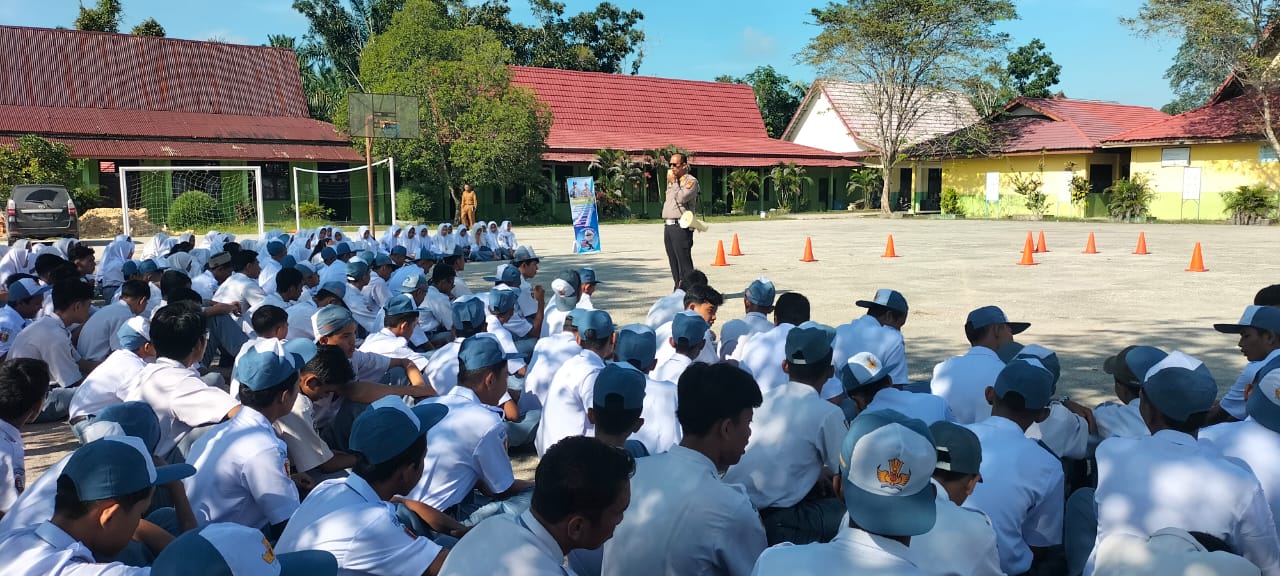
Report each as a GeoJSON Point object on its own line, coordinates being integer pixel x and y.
{"type": "Point", "coordinates": [886, 185]}
{"type": "Point", "coordinates": [457, 204]}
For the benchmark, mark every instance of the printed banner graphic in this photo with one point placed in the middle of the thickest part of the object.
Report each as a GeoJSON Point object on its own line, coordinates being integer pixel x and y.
{"type": "Point", "coordinates": [586, 222]}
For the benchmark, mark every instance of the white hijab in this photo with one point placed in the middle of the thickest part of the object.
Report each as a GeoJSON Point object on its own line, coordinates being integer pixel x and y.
{"type": "Point", "coordinates": [155, 246]}
{"type": "Point", "coordinates": [113, 257]}
{"type": "Point", "coordinates": [16, 261]}
{"type": "Point", "coordinates": [507, 238]}
{"type": "Point", "coordinates": [491, 236]}
{"type": "Point", "coordinates": [390, 238]}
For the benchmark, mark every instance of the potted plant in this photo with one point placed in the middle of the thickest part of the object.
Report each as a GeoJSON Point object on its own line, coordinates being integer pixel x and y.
{"type": "Point", "coordinates": [1250, 204]}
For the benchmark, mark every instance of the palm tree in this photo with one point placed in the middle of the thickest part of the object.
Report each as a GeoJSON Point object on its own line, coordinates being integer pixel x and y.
{"type": "Point", "coordinates": [864, 181]}
{"type": "Point", "coordinates": [742, 185]}
{"type": "Point", "coordinates": [616, 172]}
{"type": "Point", "coordinates": [790, 181]}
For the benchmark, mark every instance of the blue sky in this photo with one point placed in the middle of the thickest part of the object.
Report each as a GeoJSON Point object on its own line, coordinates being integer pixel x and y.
{"type": "Point", "coordinates": [701, 39]}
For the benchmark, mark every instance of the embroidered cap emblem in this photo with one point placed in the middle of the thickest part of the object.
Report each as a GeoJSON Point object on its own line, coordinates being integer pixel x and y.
{"type": "Point", "coordinates": [894, 477]}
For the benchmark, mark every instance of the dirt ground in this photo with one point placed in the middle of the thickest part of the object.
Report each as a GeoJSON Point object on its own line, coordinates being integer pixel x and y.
{"type": "Point", "coordinates": [1085, 307]}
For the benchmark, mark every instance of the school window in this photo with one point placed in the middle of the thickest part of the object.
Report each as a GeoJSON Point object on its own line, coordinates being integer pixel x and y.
{"type": "Point", "coordinates": [275, 180]}
{"type": "Point", "coordinates": [563, 172]}
{"type": "Point", "coordinates": [1266, 153]}
{"type": "Point", "coordinates": [1175, 156]}
{"type": "Point", "coordinates": [207, 181]}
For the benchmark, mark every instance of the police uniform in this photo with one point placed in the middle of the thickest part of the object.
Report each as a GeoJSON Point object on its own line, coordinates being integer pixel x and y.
{"type": "Point", "coordinates": [568, 398]}
{"type": "Point", "coordinates": [467, 447]}
{"type": "Point", "coordinates": [762, 356]}
{"type": "Point", "coordinates": [681, 197]}
{"type": "Point", "coordinates": [525, 549]}
{"type": "Point", "coordinates": [182, 400]}
{"type": "Point", "coordinates": [13, 470]}
{"type": "Point", "coordinates": [963, 380]}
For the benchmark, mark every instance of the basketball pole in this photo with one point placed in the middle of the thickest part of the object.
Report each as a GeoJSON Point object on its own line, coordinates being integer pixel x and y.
{"type": "Point", "coordinates": [368, 164]}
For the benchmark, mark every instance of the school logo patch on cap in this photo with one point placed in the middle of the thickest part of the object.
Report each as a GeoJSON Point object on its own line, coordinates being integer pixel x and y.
{"type": "Point", "coordinates": [269, 556]}
{"type": "Point", "coordinates": [894, 477]}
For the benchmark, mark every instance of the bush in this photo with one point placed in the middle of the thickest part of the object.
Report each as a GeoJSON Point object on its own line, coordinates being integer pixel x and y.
{"type": "Point", "coordinates": [1129, 198]}
{"type": "Point", "coordinates": [309, 210]}
{"type": "Point", "coordinates": [534, 206]}
{"type": "Point", "coordinates": [414, 204]}
{"type": "Point", "coordinates": [1250, 204]}
{"type": "Point", "coordinates": [951, 202]}
{"type": "Point", "coordinates": [611, 207]}
{"type": "Point", "coordinates": [1080, 188]}
{"type": "Point", "coordinates": [193, 208]}
{"type": "Point", "coordinates": [1029, 187]}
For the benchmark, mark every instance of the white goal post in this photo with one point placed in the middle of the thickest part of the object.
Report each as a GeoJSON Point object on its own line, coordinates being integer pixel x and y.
{"type": "Point", "coordinates": [125, 171]}
{"type": "Point", "coordinates": [391, 166]}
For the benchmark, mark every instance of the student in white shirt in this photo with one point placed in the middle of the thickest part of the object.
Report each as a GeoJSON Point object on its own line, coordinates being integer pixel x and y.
{"type": "Point", "coordinates": [879, 332]}
{"type": "Point", "coordinates": [582, 488]}
{"type": "Point", "coordinates": [438, 304]}
{"type": "Point", "coordinates": [300, 314]}
{"type": "Point", "coordinates": [686, 519]}
{"type": "Point", "coordinates": [400, 319]}
{"type": "Point", "coordinates": [25, 383]}
{"type": "Point", "coordinates": [521, 425]}
{"type": "Point", "coordinates": [564, 410]}
{"type": "Point", "coordinates": [378, 291]}
{"type": "Point", "coordinates": [363, 311]}
{"type": "Point", "coordinates": [271, 265]}
{"type": "Point", "coordinates": [549, 355]}
{"type": "Point", "coordinates": [757, 300]}
{"type": "Point", "coordinates": [590, 282]}
{"type": "Point", "coordinates": [763, 353]}
{"type": "Point", "coordinates": [1169, 551]}
{"type": "Point", "coordinates": [963, 380]}
{"type": "Point", "coordinates": [1256, 439]}
{"type": "Point", "coordinates": [884, 481]}
{"type": "Point", "coordinates": [795, 446]}
{"type": "Point", "coordinates": [25, 302]}
{"type": "Point", "coordinates": [1124, 418]}
{"type": "Point", "coordinates": [98, 335]}
{"type": "Point", "coordinates": [704, 301]}
{"type": "Point", "coordinates": [288, 290]}
{"type": "Point", "coordinates": [218, 269]}
{"type": "Point", "coordinates": [240, 292]}
{"type": "Point", "coordinates": [867, 381]}
{"type": "Point", "coordinates": [1259, 343]}
{"type": "Point", "coordinates": [532, 296]}
{"type": "Point", "coordinates": [49, 339]}
{"type": "Point", "coordinates": [687, 334]}
{"type": "Point", "coordinates": [666, 307]}
{"type": "Point", "coordinates": [1065, 432]}
{"type": "Point", "coordinates": [468, 320]}
{"type": "Point", "coordinates": [565, 297]}
{"type": "Point", "coordinates": [660, 430]}
{"type": "Point", "coordinates": [106, 385]}
{"type": "Point", "coordinates": [962, 541]}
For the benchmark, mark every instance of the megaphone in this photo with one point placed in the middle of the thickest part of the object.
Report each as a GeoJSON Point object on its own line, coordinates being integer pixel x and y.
{"type": "Point", "coordinates": [690, 220]}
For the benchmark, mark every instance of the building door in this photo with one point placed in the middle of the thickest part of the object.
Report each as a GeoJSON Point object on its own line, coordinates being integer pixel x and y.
{"type": "Point", "coordinates": [1100, 177]}
{"type": "Point", "coordinates": [109, 181]}
{"type": "Point", "coordinates": [932, 201]}
{"type": "Point", "coordinates": [335, 190]}
{"type": "Point", "coordinates": [824, 194]}
{"type": "Point", "coordinates": [906, 185]}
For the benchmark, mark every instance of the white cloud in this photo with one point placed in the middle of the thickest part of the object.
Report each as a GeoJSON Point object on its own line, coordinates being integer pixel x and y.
{"type": "Point", "coordinates": [758, 43]}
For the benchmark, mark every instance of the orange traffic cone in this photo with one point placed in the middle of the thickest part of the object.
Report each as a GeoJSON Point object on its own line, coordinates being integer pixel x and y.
{"type": "Point", "coordinates": [1040, 247]}
{"type": "Point", "coordinates": [1142, 244]}
{"type": "Point", "coordinates": [808, 251]}
{"type": "Point", "coordinates": [1197, 260]}
{"type": "Point", "coordinates": [1028, 249]}
{"type": "Point", "coordinates": [734, 250]}
{"type": "Point", "coordinates": [720, 254]}
{"type": "Point", "coordinates": [888, 249]}
{"type": "Point", "coordinates": [1090, 247]}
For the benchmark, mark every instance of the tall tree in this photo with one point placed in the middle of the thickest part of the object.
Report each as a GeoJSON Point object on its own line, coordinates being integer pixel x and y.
{"type": "Point", "coordinates": [1032, 70]}
{"type": "Point", "coordinates": [776, 95]}
{"type": "Point", "coordinates": [148, 27]}
{"type": "Point", "coordinates": [904, 52]}
{"type": "Point", "coordinates": [341, 33]}
{"type": "Point", "coordinates": [599, 40]}
{"type": "Point", "coordinates": [103, 18]}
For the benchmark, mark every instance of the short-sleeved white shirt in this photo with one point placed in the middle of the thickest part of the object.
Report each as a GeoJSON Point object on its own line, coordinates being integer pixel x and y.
{"type": "Point", "coordinates": [866, 334]}
{"type": "Point", "coordinates": [752, 323]}
{"type": "Point", "coordinates": [553, 319]}
{"type": "Point", "coordinates": [205, 285]}
{"type": "Point", "coordinates": [763, 354]}
{"type": "Point", "coordinates": [1065, 433]}
{"type": "Point", "coordinates": [49, 551]}
{"type": "Point", "coordinates": [369, 367]}
{"type": "Point", "coordinates": [549, 355]}
{"type": "Point", "coordinates": [708, 354]}
{"type": "Point", "coordinates": [300, 320]}
{"type": "Point", "coordinates": [661, 429]}
{"type": "Point", "coordinates": [11, 323]}
{"type": "Point", "coordinates": [963, 380]}
{"type": "Point", "coordinates": [377, 291]}
{"type": "Point", "coordinates": [468, 445]}
{"type": "Point", "coordinates": [13, 468]}
{"type": "Point", "coordinates": [1021, 492]}
{"type": "Point", "coordinates": [564, 410]}
{"type": "Point", "coordinates": [505, 339]}
{"type": "Point", "coordinates": [1233, 401]}
{"type": "Point", "coordinates": [506, 544]}
{"type": "Point", "coordinates": [107, 384]}
{"type": "Point", "coordinates": [363, 312]}
{"type": "Point", "coordinates": [441, 308]}
{"type": "Point", "coordinates": [1116, 419]}
{"type": "Point", "coordinates": [345, 517]}
{"type": "Point", "coordinates": [683, 519]}
{"type": "Point", "coordinates": [442, 367]}
{"type": "Point", "coordinates": [244, 290]}
{"type": "Point", "coordinates": [672, 368]}
{"type": "Point", "coordinates": [181, 400]}
{"type": "Point", "coordinates": [794, 434]}
{"type": "Point", "coordinates": [925, 407]}
{"type": "Point", "coordinates": [35, 505]}
{"type": "Point", "coordinates": [1257, 446]}
{"type": "Point", "coordinates": [665, 308]}
{"type": "Point", "coordinates": [852, 551]}
{"type": "Point", "coordinates": [154, 302]}
{"type": "Point", "coordinates": [961, 542]}
{"type": "Point", "coordinates": [240, 474]}
{"type": "Point", "coordinates": [98, 335]}
{"type": "Point", "coordinates": [387, 344]}
{"type": "Point", "coordinates": [49, 339]}
{"type": "Point", "coordinates": [298, 431]}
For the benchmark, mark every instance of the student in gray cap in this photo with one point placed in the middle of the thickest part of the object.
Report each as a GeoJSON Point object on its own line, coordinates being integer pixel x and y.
{"type": "Point", "coordinates": [636, 350]}
{"type": "Point", "coordinates": [963, 380]}
{"type": "Point", "coordinates": [548, 356]}
{"type": "Point", "coordinates": [879, 332]}
{"type": "Point", "coordinates": [565, 297]}
{"type": "Point", "coordinates": [226, 549]}
{"type": "Point", "coordinates": [757, 301]}
{"type": "Point", "coordinates": [866, 381]}
{"type": "Point", "coordinates": [1259, 330]}
{"type": "Point", "coordinates": [468, 315]}
{"type": "Point", "coordinates": [616, 408]}
{"type": "Point", "coordinates": [1124, 418]}
{"type": "Point", "coordinates": [364, 312]}
{"type": "Point", "coordinates": [589, 283]}
{"type": "Point", "coordinates": [961, 541]}
{"type": "Point", "coordinates": [1256, 440]}
{"type": "Point", "coordinates": [688, 336]}
{"type": "Point", "coordinates": [565, 407]}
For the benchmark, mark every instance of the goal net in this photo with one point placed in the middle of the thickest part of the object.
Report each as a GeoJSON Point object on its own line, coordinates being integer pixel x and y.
{"type": "Point", "coordinates": [195, 198]}
{"type": "Point", "coordinates": [341, 195]}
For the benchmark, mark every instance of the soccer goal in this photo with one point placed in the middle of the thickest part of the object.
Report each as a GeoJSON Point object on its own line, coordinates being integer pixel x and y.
{"type": "Point", "coordinates": [198, 198]}
{"type": "Point", "coordinates": [333, 188]}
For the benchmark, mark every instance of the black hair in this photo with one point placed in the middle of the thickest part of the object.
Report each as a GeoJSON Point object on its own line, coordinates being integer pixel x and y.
{"type": "Point", "coordinates": [23, 385]}
{"type": "Point", "coordinates": [181, 247]}
{"type": "Point", "coordinates": [14, 278]}
{"type": "Point", "coordinates": [594, 344]}
{"type": "Point", "coordinates": [1014, 400]}
{"type": "Point", "coordinates": [288, 279]}
{"type": "Point", "coordinates": [467, 330]}
{"type": "Point", "coordinates": [612, 418]}
{"type": "Point", "coordinates": [467, 376]}
{"type": "Point", "coordinates": [441, 273]}
{"type": "Point", "coordinates": [1269, 296]}
{"type": "Point", "coordinates": [703, 294]}
{"type": "Point", "coordinates": [135, 289]}
{"type": "Point", "coordinates": [176, 329]}
{"type": "Point", "coordinates": [68, 292]}
{"type": "Point", "coordinates": [791, 308]}
{"type": "Point", "coordinates": [869, 390]}
{"type": "Point", "coordinates": [380, 472]}
{"type": "Point", "coordinates": [268, 317]}
{"type": "Point", "coordinates": [977, 335]}
{"type": "Point", "coordinates": [392, 320]}
{"type": "Point", "coordinates": [807, 372]}
{"type": "Point", "coordinates": [242, 258]}
{"type": "Point", "coordinates": [321, 294]}
{"type": "Point", "coordinates": [67, 502]}
{"type": "Point", "coordinates": [693, 278]}
{"type": "Point", "coordinates": [231, 247]}
{"type": "Point", "coordinates": [65, 271]}
{"type": "Point", "coordinates": [1213, 543]}
{"type": "Point", "coordinates": [172, 280]}
{"type": "Point", "coordinates": [185, 294]}
{"type": "Point", "coordinates": [950, 476]}
{"type": "Point", "coordinates": [882, 313]}
{"type": "Point", "coordinates": [79, 252]}
{"type": "Point", "coordinates": [579, 475]}
{"type": "Point", "coordinates": [709, 393]}
{"type": "Point", "coordinates": [687, 348]}
{"type": "Point", "coordinates": [331, 366]}
{"type": "Point", "coordinates": [259, 399]}
{"type": "Point", "coordinates": [46, 263]}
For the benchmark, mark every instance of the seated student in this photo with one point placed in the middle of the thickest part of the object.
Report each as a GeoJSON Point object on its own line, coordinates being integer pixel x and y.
{"type": "Point", "coordinates": [102, 494]}
{"type": "Point", "coordinates": [415, 288]}
{"type": "Point", "coordinates": [469, 452]}
{"type": "Point", "coordinates": [147, 272]}
{"type": "Point", "coordinates": [98, 335]}
{"type": "Point", "coordinates": [400, 319]}
{"type": "Point", "coordinates": [49, 339]}
{"type": "Point", "coordinates": [795, 446]}
{"type": "Point", "coordinates": [182, 401]}
{"type": "Point", "coordinates": [228, 549]}
{"type": "Point", "coordinates": [884, 482]}
{"type": "Point", "coordinates": [1219, 497]}
{"type": "Point", "coordinates": [565, 296]}
{"type": "Point", "coordinates": [85, 260]}
{"type": "Point", "coordinates": [879, 332]}
{"type": "Point", "coordinates": [300, 314]}
{"type": "Point", "coordinates": [468, 320]}
{"type": "Point", "coordinates": [399, 255]}
{"type": "Point", "coordinates": [582, 488]}
{"type": "Point", "coordinates": [688, 333]}
{"type": "Point", "coordinates": [520, 425]}
{"type": "Point", "coordinates": [415, 263]}
{"type": "Point", "coordinates": [217, 270]}
{"type": "Point", "coordinates": [869, 384]}
{"type": "Point", "coordinates": [437, 316]}
{"type": "Point", "coordinates": [1256, 440]}
{"type": "Point", "coordinates": [107, 384]}
{"type": "Point", "coordinates": [962, 541]}
{"type": "Point", "coordinates": [1065, 431]}
{"type": "Point", "coordinates": [616, 407]}
{"type": "Point", "coordinates": [757, 300]}
{"type": "Point", "coordinates": [1022, 482]}
{"type": "Point", "coordinates": [693, 522]}
{"type": "Point", "coordinates": [458, 263]}
{"type": "Point", "coordinates": [589, 284]}
{"type": "Point", "coordinates": [762, 354]}
{"type": "Point", "coordinates": [518, 325]}
{"type": "Point", "coordinates": [334, 325]}
{"type": "Point", "coordinates": [1124, 418]}
{"type": "Point", "coordinates": [659, 428]}
{"type": "Point", "coordinates": [288, 284]}
{"type": "Point", "coordinates": [378, 291]}
{"type": "Point", "coordinates": [310, 281]}
{"type": "Point", "coordinates": [229, 329]}
{"type": "Point", "coordinates": [26, 297]}
{"type": "Point", "coordinates": [564, 410]}
{"type": "Point", "coordinates": [351, 518]}
{"type": "Point", "coordinates": [704, 301]}
{"type": "Point", "coordinates": [364, 312]}
{"type": "Point", "coordinates": [666, 307]}
{"type": "Point", "coordinates": [962, 380]}
{"type": "Point", "coordinates": [276, 251]}
{"type": "Point", "coordinates": [1259, 330]}
{"type": "Point", "coordinates": [1170, 551]}
{"type": "Point", "coordinates": [322, 382]}
{"type": "Point", "coordinates": [24, 383]}
{"type": "Point", "coordinates": [241, 473]}
{"type": "Point", "coordinates": [549, 355]}
{"type": "Point", "coordinates": [532, 296]}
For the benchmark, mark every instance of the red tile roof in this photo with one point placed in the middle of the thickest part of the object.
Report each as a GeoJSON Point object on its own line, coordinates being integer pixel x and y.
{"type": "Point", "coordinates": [1094, 121]}
{"type": "Point", "coordinates": [116, 149]}
{"type": "Point", "coordinates": [1236, 119]}
{"type": "Point", "coordinates": [718, 121]}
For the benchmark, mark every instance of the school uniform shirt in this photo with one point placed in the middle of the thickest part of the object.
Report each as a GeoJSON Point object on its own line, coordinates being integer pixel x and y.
{"type": "Point", "coordinates": [866, 334]}
{"type": "Point", "coordinates": [153, 301]}
{"type": "Point", "coordinates": [468, 445]}
{"type": "Point", "coordinates": [1172, 551]}
{"type": "Point", "coordinates": [267, 276]}
{"type": "Point", "coordinates": [1021, 492]}
{"type": "Point", "coordinates": [553, 320]}
{"type": "Point", "coordinates": [441, 309]}
{"type": "Point", "coordinates": [925, 407]}
{"type": "Point", "coordinates": [794, 434]}
{"type": "Point", "coordinates": [961, 542]}
{"type": "Point", "coordinates": [298, 431]}
{"type": "Point", "coordinates": [852, 551]}
{"type": "Point", "coordinates": [98, 335]}
{"type": "Point", "coordinates": [205, 285]}
{"type": "Point", "coordinates": [527, 304]}
{"type": "Point", "coordinates": [564, 410]}
{"type": "Point", "coordinates": [181, 400]}
{"type": "Point", "coordinates": [346, 518]}
{"type": "Point", "coordinates": [107, 384]}
{"type": "Point", "coordinates": [683, 519]}
{"type": "Point", "coordinates": [369, 367]}
{"type": "Point", "coordinates": [273, 299]}
{"type": "Point", "coordinates": [585, 303]}
{"type": "Point", "coordinates": [442, 367]}
{"type": "Point", "coordinates": [387, 344]}
{"type": "Point", "coordinates": [505, 339]}
{"type": "Point", "coordinates": [1116, 419]}
{"type": "Point", "coordinates": [752, 323]}
{"type": "Point", "coordinates": [524, 548]}
{"type": "Point", "coordinates": [672, 368]}
{"type": "Point", "coordinates": [240, 474]}
{"type": "Point", "coordinates": [11, 323]}
{"type": "Point", "coordinates": [300, 320]}
{"type": "Point", "coordinates": [1233, 400]}
{"type": "Point", "coordinates": [376, 291]}
{"type": "Point", "coordinates": [661, 430]}
{"type": "Point", "coordinates": [244, 290]}
{"type": "Point", "coordinates": [549, 355]}
{"type": "Point", "coordinates": [48, 550]}
{"type": "Point", "coordinates": [1258, 447]}
{"type": "Point", "coordinates": [665, 308]}
{"type": "Point", "coordinates": [1169, 480]}
{"type": "Point", "coordinates": [13, 468]}
{"type": "Point", "coordinates": [963, 380]}
{"type": "Point", "coordinates": [762, 357]}
{"type": "Point", "coordinates": [1063, 432]}
{"type": "Point", "coordinates": [49, 339]}
{"type": "Point", "coordinates": [460, 289]}
{"type": "Point", "coordinates": [707, 355]}
{"type": "Point", "coordinates": [363, 312]}
{"type": "Point", "coordinates": [35, 504]}
{"type": "Point", "coordinates": [335, 272]}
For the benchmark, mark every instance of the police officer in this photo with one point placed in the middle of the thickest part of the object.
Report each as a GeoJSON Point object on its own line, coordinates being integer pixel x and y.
{"type": "Point", "coordinates": [682, 196]}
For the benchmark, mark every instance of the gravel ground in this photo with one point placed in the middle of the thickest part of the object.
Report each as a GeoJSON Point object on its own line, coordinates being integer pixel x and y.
{"type": "Point", "coordinates": [1085, 307]}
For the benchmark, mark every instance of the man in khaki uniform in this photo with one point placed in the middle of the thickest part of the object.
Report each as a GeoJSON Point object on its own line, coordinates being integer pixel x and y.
{"type": "Point", "coordinates": [469, 203]}
{"type": "Point", "coordinates": [682, 196]}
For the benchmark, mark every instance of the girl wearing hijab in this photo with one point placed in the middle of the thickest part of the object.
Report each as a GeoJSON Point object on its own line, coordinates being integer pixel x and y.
{"type": "Point", "coordinates": [17, 260]}
{"type": "Point", "coordinates": [444, 240]}
{"type": "Point", "coordinates": [113, 257]}
{"type": "Point", "coordinates": [491, 242]}
{"type": "Point", "coordinates": [390, 238]}
{"type": "Point", "coordinates": [410, 240]}
{"type": "Point", "coordinates": [462, 239]}
{"type": "Point", "coordinates": [365, 240]}
{"type": "Point", "coordinates": [480, 250]}
{"type": "Point", "coordinates": [155, 246]}
{"type": "Point", "coordinates": [507, 239]}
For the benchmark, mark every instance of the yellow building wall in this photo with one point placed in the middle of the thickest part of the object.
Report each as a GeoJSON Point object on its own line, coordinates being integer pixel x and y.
{"type": "Point", "coordinates": [1223, 167]}
{"type": "Point", "coordinates": [968, 176]}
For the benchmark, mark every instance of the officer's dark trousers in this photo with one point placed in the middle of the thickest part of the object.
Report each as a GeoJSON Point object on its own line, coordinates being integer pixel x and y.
{"type": "Point", "coordinates": [679, 243]}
